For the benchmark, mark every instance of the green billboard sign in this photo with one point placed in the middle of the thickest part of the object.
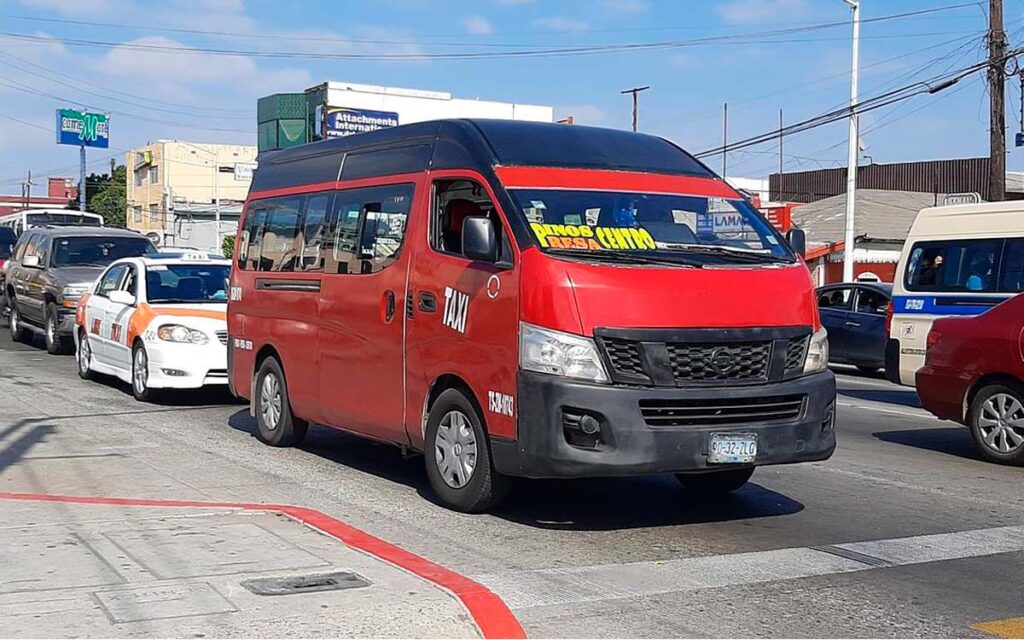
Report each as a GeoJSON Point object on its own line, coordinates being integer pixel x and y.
{"type": "Point", "coordinates": [82, 128]}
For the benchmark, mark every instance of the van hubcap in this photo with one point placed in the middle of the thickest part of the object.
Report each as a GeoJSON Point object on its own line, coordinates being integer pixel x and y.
{"type": "Point", "coordinates": [270, 401]}
{"type": "Point", "coordinates": [1001, 423]}
{"type": "Point", "coordinates": [141, 374]}
{"type": "Point", "coordinates": [455, 449]}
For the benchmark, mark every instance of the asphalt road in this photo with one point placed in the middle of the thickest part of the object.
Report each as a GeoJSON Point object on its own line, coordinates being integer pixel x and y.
{"type": "Point", "coordinates": [904, 532]}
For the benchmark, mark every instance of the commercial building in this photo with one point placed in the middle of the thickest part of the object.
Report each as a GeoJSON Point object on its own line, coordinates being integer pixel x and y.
{"type": "Point", "coordinates": [59, 193]}
{"type": "Point", "coordinates": [343, 108]}
{"type": "Point", "coordinates": [187, 194]}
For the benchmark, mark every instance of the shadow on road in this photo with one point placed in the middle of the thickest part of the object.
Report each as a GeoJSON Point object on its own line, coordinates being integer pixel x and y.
{"type": "Point", "coordinates": [955, 441]}
{"type": "Point", "coordinates": [902, 397]}
{"type": "Point", "coordinates": [17, 439]}
{"type": "Point", "coordinates": [202, 397]}
{"type": "Point", "coordinates": [598, 504]}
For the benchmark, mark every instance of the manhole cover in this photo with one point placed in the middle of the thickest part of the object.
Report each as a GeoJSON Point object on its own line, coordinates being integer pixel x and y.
{"type": "Point", "coordinates": [306, 584]}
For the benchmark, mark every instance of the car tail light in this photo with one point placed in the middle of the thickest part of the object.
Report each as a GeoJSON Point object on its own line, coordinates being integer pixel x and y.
{"type": "Point", "coordinates": [888, 319]}
{"type": "Point", "coordinates": [933, 338]}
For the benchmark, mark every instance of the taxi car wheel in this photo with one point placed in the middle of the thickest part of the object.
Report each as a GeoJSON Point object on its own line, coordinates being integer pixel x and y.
{"type": "Point", "coordinates": [140, 375]}
{"type": "Point", "coordinates": [55, 343]}
{"type": "Point", "coordinates": [277, 426]}
{"type": "Point", "coordinates": [84, 356]}
{"type": "Point", "coordinates": [18, 332]}
{"type": "Point", "coordinates": [716, 481]}
{"type": "Point", "coordinates": [997, 423]}
{"type": "Point", "coordinates": [458, 456]}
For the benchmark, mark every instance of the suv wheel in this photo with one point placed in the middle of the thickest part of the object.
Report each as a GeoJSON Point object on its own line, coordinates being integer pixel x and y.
{"type": "Point", "coordinates": [18, 332]}
{"type": "Point", "coordinates": [997, 423]}
{"type": "Point", "coordinates": [55, 343]}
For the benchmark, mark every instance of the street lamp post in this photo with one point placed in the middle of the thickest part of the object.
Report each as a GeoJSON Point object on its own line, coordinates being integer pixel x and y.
{"type": "Point", "coordinates": [851, 166]}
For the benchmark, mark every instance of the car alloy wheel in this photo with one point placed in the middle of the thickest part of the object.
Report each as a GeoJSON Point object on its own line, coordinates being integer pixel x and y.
{"type": "Point", "coordinates": [1001, 423]}
{"type": "Point", "coordinates": [51, 332]}
{"type": "Point", "coordinates": [12, 322]}
{"type": "Point", "coordinates": [455, 449]}
{"type": "Point", "coordinates": [140, 372]}
{"type": "Point", "coordinates": [270, 401]}
{"type": "Point", "coordinates": [84, 355]}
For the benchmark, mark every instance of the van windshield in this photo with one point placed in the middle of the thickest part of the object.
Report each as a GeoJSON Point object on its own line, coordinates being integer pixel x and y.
{"type": "Point", "coordinates": [617, 226]}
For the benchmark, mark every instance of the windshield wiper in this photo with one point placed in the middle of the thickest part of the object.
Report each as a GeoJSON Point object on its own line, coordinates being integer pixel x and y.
{"type": "Point", "coordinates": [628, 257]}
{"type": "Point", "coordinates": [751, 255]}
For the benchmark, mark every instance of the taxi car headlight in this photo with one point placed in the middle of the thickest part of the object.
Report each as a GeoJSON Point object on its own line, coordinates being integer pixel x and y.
{"type": "Point", "coordinates": [817, 352]}
{"type": "Point", "coordinates": [181, 333]}
{"type": "Point", "coordinates": [558, 353]}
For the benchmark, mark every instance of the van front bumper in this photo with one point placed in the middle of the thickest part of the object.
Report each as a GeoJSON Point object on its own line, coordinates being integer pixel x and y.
{"type": "Point", "coordinates": [626, 444]}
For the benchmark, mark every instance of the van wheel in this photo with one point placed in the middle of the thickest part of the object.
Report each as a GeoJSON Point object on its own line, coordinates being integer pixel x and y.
{"type": "Point", "coordinates": [716, 482]}
{"type": "Point", "coordinates": [18, 331]}
{"type": "Point", "coordinates": [458, 456]}
{"type": "Point", "coordinates": [277, 425]}
{"type": "Point", "coordinates": [997, 424]}
{"type": "Point", "coordinates": [84, 356]}
{"type": "Point", "coordinates": [56, 344]}
{"type": "Point", "coordinates": [140, 375]}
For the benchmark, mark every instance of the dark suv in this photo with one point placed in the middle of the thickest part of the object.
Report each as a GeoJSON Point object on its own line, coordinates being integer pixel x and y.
{"type": "Point", "coordinates": [50, 270]}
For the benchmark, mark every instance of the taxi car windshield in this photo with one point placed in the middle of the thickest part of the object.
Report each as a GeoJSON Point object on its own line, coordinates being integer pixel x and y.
{"type": "Point", "coordinates": [191, 283]}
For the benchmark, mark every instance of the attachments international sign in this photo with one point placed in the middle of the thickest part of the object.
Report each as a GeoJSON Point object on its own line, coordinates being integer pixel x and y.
{"type": "Point", "coordinates": [81, 128]}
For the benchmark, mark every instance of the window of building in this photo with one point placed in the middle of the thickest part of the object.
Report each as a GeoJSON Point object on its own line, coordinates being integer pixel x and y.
{"type": "Point", "coordinates": [137, 214]}
{"type": "Point", "coordinates": [138, 176]}
{"type": "Point", "coordinates": [154, 213]}
{"type": "Point", "coordinates": [953, 265]}
{"type": "Point", "coordinates": [154, 174]}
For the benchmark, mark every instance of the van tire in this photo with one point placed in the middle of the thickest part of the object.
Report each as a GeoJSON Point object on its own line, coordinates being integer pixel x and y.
{"type": "Point", "coordinates": [56, 344]}
{"type": "Point", "coordinates": [485, 487]}
{"type": "Point", "coordinates": [716, 482]}
{"type": "Point", "coordinates": [276, 424]}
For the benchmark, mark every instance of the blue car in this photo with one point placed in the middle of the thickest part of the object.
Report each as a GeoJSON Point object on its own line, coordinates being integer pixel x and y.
{"type": "Point", "coordinates": [854, 315]}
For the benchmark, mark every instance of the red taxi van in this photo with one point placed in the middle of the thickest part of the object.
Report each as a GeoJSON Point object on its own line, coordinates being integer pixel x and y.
{"type": "Point", "coordinates": [526, 299]}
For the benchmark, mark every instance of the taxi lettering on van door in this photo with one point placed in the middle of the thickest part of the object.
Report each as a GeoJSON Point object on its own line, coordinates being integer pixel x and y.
{"type": "Point", "coordinates": [582, 236]}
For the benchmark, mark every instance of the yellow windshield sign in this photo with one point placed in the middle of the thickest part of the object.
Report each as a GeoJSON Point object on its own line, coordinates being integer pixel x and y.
{"type": "Point", "coordinates": [582, 236]}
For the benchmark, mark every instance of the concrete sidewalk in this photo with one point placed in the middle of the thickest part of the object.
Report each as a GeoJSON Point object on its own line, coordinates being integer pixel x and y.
{"type": "Point", "coordinates": [120, 569]}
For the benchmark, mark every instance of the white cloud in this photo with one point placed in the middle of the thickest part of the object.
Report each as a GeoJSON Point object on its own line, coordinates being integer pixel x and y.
{"type": "Point", "coordinates": [561, 23]}
{"type": "Point", "coordinates": [77, 8]}
{"type": "Point", "coordinates": [626, 6]}
{"type": "Point", "coordinates": [477, 25]}
{"type": "Point", "coordinates": [753, 11]}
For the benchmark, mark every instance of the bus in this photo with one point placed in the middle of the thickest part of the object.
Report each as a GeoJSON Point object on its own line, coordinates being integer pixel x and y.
{"type": "Point", "coordinates": [29, 218]}
{"type": "Point", "coordinates": [526, 299]}
{"type": "Point", "coordinates": [959, 260]}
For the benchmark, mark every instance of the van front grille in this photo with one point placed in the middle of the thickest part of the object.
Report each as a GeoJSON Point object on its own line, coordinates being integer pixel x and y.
{"type": "Point", "coordinates": [728, 411]}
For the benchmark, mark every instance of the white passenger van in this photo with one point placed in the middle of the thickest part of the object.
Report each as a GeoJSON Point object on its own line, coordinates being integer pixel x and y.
{"type": "Point", "coordinates": [959, 260]}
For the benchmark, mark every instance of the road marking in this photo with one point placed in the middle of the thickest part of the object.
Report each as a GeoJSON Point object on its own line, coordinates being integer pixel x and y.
{"type": "Point", "coordinates": [1008, 628]}
{"type": "Point", "coordinates": [487, 610]}
{"type": "Point", "coordinates": [567, 585]}
{"type": "Point", "coordinates": [870, 406]}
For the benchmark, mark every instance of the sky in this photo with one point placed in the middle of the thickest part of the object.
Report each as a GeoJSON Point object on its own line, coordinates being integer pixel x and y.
{"type": "Point", "coordinates": [701, 54]}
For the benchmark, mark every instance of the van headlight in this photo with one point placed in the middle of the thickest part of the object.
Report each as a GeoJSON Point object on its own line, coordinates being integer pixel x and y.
{"type": "Point", "coordinates": [560, 354]}
{"type": "Point", "coordinates": [817, 352]}
{"type": "Point", "coordinates": [179, 333]}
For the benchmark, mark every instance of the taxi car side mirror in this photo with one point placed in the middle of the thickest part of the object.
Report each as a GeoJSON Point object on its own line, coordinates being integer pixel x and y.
{"type": "Point", "coordinates": [120, 296]}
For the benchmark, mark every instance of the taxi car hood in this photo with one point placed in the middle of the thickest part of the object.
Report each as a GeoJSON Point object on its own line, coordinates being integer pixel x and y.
{"type": "Point", "coordinates": [578, 297]}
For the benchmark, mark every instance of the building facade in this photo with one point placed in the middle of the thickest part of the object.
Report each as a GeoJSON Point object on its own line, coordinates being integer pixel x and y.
{"type": "Point", "coordinates": [187, 194]}
{"type": "Point", "coordinates": [60, 192]}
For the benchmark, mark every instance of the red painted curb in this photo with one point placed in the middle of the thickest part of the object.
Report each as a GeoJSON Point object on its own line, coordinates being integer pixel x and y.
{"type": "Point", "coordinates": [489, 612]}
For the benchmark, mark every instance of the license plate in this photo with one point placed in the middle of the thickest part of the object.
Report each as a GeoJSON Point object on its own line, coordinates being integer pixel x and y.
{"type": "Point", "coordinates": [732, 448]}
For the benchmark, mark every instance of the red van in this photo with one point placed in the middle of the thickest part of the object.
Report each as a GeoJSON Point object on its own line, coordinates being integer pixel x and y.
{"type": "Point", "coordinates": [526, 299]}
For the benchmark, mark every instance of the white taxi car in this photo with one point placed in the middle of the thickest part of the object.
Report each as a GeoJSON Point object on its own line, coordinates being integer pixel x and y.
{"type": "Point", "coordinates": [157, 322]}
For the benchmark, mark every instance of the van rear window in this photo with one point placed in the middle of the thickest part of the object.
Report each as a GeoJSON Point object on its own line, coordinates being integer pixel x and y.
{"type": "Point", "coordinates": [964, 265]}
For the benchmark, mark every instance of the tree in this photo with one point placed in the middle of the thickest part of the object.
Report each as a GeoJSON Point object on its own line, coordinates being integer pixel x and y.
{"type": "Point", "coordinates": [228, 246]}
{"type": "Point", "coordinates": [108, 197]}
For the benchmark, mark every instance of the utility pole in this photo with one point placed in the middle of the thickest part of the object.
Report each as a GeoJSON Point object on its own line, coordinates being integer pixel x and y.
{"type": "Point", "coordinates": [780, 154]}
{"type": "Point", "coordinates": [635, 91]}
{"type": "Point", "coordinates": [725, 138]}
{"type": "Point", "coordinates": [997, 114]}
{"type": "Point", "coordinates": [851, 160]}
{"type": "Point", "coordinates": [26, 190]}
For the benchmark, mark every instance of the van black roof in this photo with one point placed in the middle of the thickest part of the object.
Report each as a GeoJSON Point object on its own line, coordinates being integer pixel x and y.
{"type": "Point", "coordinates": [467, 144]}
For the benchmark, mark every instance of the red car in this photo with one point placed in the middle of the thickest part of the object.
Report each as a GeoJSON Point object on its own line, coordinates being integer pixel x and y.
{"type": "Point", "coordinates": [974, 374]}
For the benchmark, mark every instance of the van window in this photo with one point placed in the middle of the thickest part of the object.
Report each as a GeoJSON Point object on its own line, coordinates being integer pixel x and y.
{"type": "Point", "coordinates": [454, 201]}
{"type": "Point", "coordinates": [313, 223]}
{"type": "Point", "coordinates": [1011, 277]}
{"type": "Point", "coordinates": [277, 251]}
{"type": "Point", "coordinates": [252, 236]}
{"type": "Point", "coordinates": [367, 228]}
{"type": "Point", "coordinates": [386, 162]}
{"type": "Point", "coordinates": [953, 266]}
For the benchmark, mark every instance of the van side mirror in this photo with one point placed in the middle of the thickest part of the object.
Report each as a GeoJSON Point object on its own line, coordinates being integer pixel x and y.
{"type": "Point", "coordinates": [478, 239]}
{"type": "Point", "coordinates": [120, 296]}
{"type": "Point", "coordinates": [30, 261]}
{"type": "Point", "coordinates": [797, 240]}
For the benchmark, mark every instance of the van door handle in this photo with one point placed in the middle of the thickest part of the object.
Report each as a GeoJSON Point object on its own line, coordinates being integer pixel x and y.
{"type": "Point", "coordinates": [428, 302]}
{"type": "Point", "coordinates": [389, 306]}
{"type": "Point", "coordinates": [851, 323]}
